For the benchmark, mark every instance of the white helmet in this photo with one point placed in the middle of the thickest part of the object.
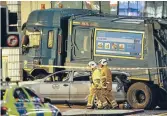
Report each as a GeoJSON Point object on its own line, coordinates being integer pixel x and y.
{"type": "Point", "coordinates": [103, 62]}
{"type": "Point", "coordinates": [92, 64]}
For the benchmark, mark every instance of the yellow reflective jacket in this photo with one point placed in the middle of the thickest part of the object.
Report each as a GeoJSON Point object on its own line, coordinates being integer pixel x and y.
{"type": "Point", "coordinates": [96, 78]}
{"type": "Point", "coordinates": [106, 78]}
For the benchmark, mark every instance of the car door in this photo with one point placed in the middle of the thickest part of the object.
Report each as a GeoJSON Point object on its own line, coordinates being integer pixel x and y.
{"type": "Point", "coordinates": [20, 101]}
{"type": "Point", "coordinates": [79, 88]}
{"type": "Point", "coordinates": [36, 101]}
{"type": "Point", "coordinates": [54, 86]}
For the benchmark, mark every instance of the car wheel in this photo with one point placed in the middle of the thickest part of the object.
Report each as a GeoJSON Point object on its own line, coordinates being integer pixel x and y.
{"type": "Point", "coordinates": [59, 114]}
{"type": "Point", "coordinates": [141, 96]}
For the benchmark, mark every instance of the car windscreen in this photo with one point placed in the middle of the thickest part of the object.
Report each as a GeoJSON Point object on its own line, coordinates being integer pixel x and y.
{"type": "Point", "coordinates": [2, 93]}
{"type": "Point", "coordinates": [31, 93]}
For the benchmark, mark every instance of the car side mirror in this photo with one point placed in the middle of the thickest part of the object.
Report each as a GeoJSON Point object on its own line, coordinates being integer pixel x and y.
{"type": "Point", "coordinates": [46, 100]}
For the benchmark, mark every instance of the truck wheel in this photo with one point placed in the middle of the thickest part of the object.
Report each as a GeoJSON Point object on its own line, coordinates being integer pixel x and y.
{"type": "Point", "coordinates": [141, 96]}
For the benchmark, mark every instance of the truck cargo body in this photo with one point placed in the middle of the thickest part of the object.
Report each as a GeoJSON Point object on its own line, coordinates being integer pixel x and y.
{"type": "Point", "coordinates": [133, 34]}
{"type": "Point", "coordinates": [126, 43]}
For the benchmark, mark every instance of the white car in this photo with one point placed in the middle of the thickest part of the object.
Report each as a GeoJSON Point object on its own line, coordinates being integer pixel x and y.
{"type": "Point", "coordinates": [71, 86]}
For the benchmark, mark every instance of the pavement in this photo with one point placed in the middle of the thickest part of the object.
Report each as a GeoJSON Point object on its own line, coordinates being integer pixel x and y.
{"type": "Point", "coordinates": [88, 112]}
{"type": "Point", "coordinates": [163, 114]}
{"type": "Point", "coordinates": [80, 110]}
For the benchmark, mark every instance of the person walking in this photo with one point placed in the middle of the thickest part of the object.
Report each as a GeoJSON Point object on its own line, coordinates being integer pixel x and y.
{"type": "Point", "coordinates": [95, 89]}
{"type": "Point", "coordinates": [106, 83]}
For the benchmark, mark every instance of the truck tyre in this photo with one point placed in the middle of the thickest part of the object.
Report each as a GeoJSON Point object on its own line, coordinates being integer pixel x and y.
{"type": "Point", "coordinates": [141, 96]}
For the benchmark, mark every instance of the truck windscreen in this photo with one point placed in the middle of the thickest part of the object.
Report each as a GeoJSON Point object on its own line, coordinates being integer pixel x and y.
{"type": "Point", "coordinates": [119, 43]}
{"type": "Point", "coordinates": [34, 38]}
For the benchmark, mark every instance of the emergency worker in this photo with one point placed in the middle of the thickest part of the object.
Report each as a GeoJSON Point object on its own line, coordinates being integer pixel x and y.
{"type": "Point", "coordinates": [95, 86]}
{"type": "Point", "coordinates": [106, 83]}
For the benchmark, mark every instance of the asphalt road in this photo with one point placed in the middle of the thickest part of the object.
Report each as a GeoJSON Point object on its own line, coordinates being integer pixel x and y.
{"type": "Point", "coordinates": [64, 107]}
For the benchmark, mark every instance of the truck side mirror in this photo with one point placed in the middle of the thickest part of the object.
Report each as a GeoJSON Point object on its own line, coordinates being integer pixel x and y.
{"type": "Point", "coordinates": [25, 40]}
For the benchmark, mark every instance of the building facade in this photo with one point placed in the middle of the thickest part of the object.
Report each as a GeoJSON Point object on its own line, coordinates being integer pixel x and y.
{"type": "Point", "coordinates": [28, 6]}
{"type": "Point", "coordinates": [130, 8]}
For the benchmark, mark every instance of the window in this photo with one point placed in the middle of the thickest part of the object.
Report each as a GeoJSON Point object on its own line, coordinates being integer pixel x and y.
{"type": "Point", "coordinates": [34, 38]}
{"type": "Point", "coordinates": [2, 93]}
{"type": "Point", "coordinates": [31, 94]}
{"type": "Point", "coordinates": [19, 94]}
{"type": "Point", "coordinates": [81, 76]}
{"type": "Point", "coordinates": [82, 38]}
{"type": "Point", "coordinates": [50, 39]}
{"type": "Point", "coordinates": [131, 8]}
{"type": "Point", "coordinates": [49, 79]}
{"type": "Point", "coordinates": [61, 76]}
{"type": "Point", "coordinates": [67, 4]}
{"type": "Point", "coordinates": [92, 5]}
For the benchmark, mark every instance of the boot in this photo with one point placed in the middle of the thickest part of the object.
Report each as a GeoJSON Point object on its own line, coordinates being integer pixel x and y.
{"type": "Point", "coordinates": [114, 105]}
{"type": "Point", "coordinates": [99, 106]}
{"type": "Point", "coordinates": [106, 107]}
{"type": "Point", "coordinates": [117, 107]}
{"type": "Point", "coordinates": [89, 106]}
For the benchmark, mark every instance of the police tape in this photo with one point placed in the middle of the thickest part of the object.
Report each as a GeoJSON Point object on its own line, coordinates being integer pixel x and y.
{"type": "Point", "coordinates": [87, 68]}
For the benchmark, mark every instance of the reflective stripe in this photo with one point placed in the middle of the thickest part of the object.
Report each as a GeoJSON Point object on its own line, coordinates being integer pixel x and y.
{"type": "Point", "coordinates": [114, 103]}
{"type": "Point", "coordinates": [105, 104]}
{"type": "Point", "coordinates": [20, 108]}
{"type": "Point", "coordinates": [54, 110]}
{"type": "Point", "coordinates": [38, 106]}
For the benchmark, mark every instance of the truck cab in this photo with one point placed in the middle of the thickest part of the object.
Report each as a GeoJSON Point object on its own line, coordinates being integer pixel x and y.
{"type": "Point", "coordinates": [127, 42]}
{"type": "Point", "coordinates": [44, 40]}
